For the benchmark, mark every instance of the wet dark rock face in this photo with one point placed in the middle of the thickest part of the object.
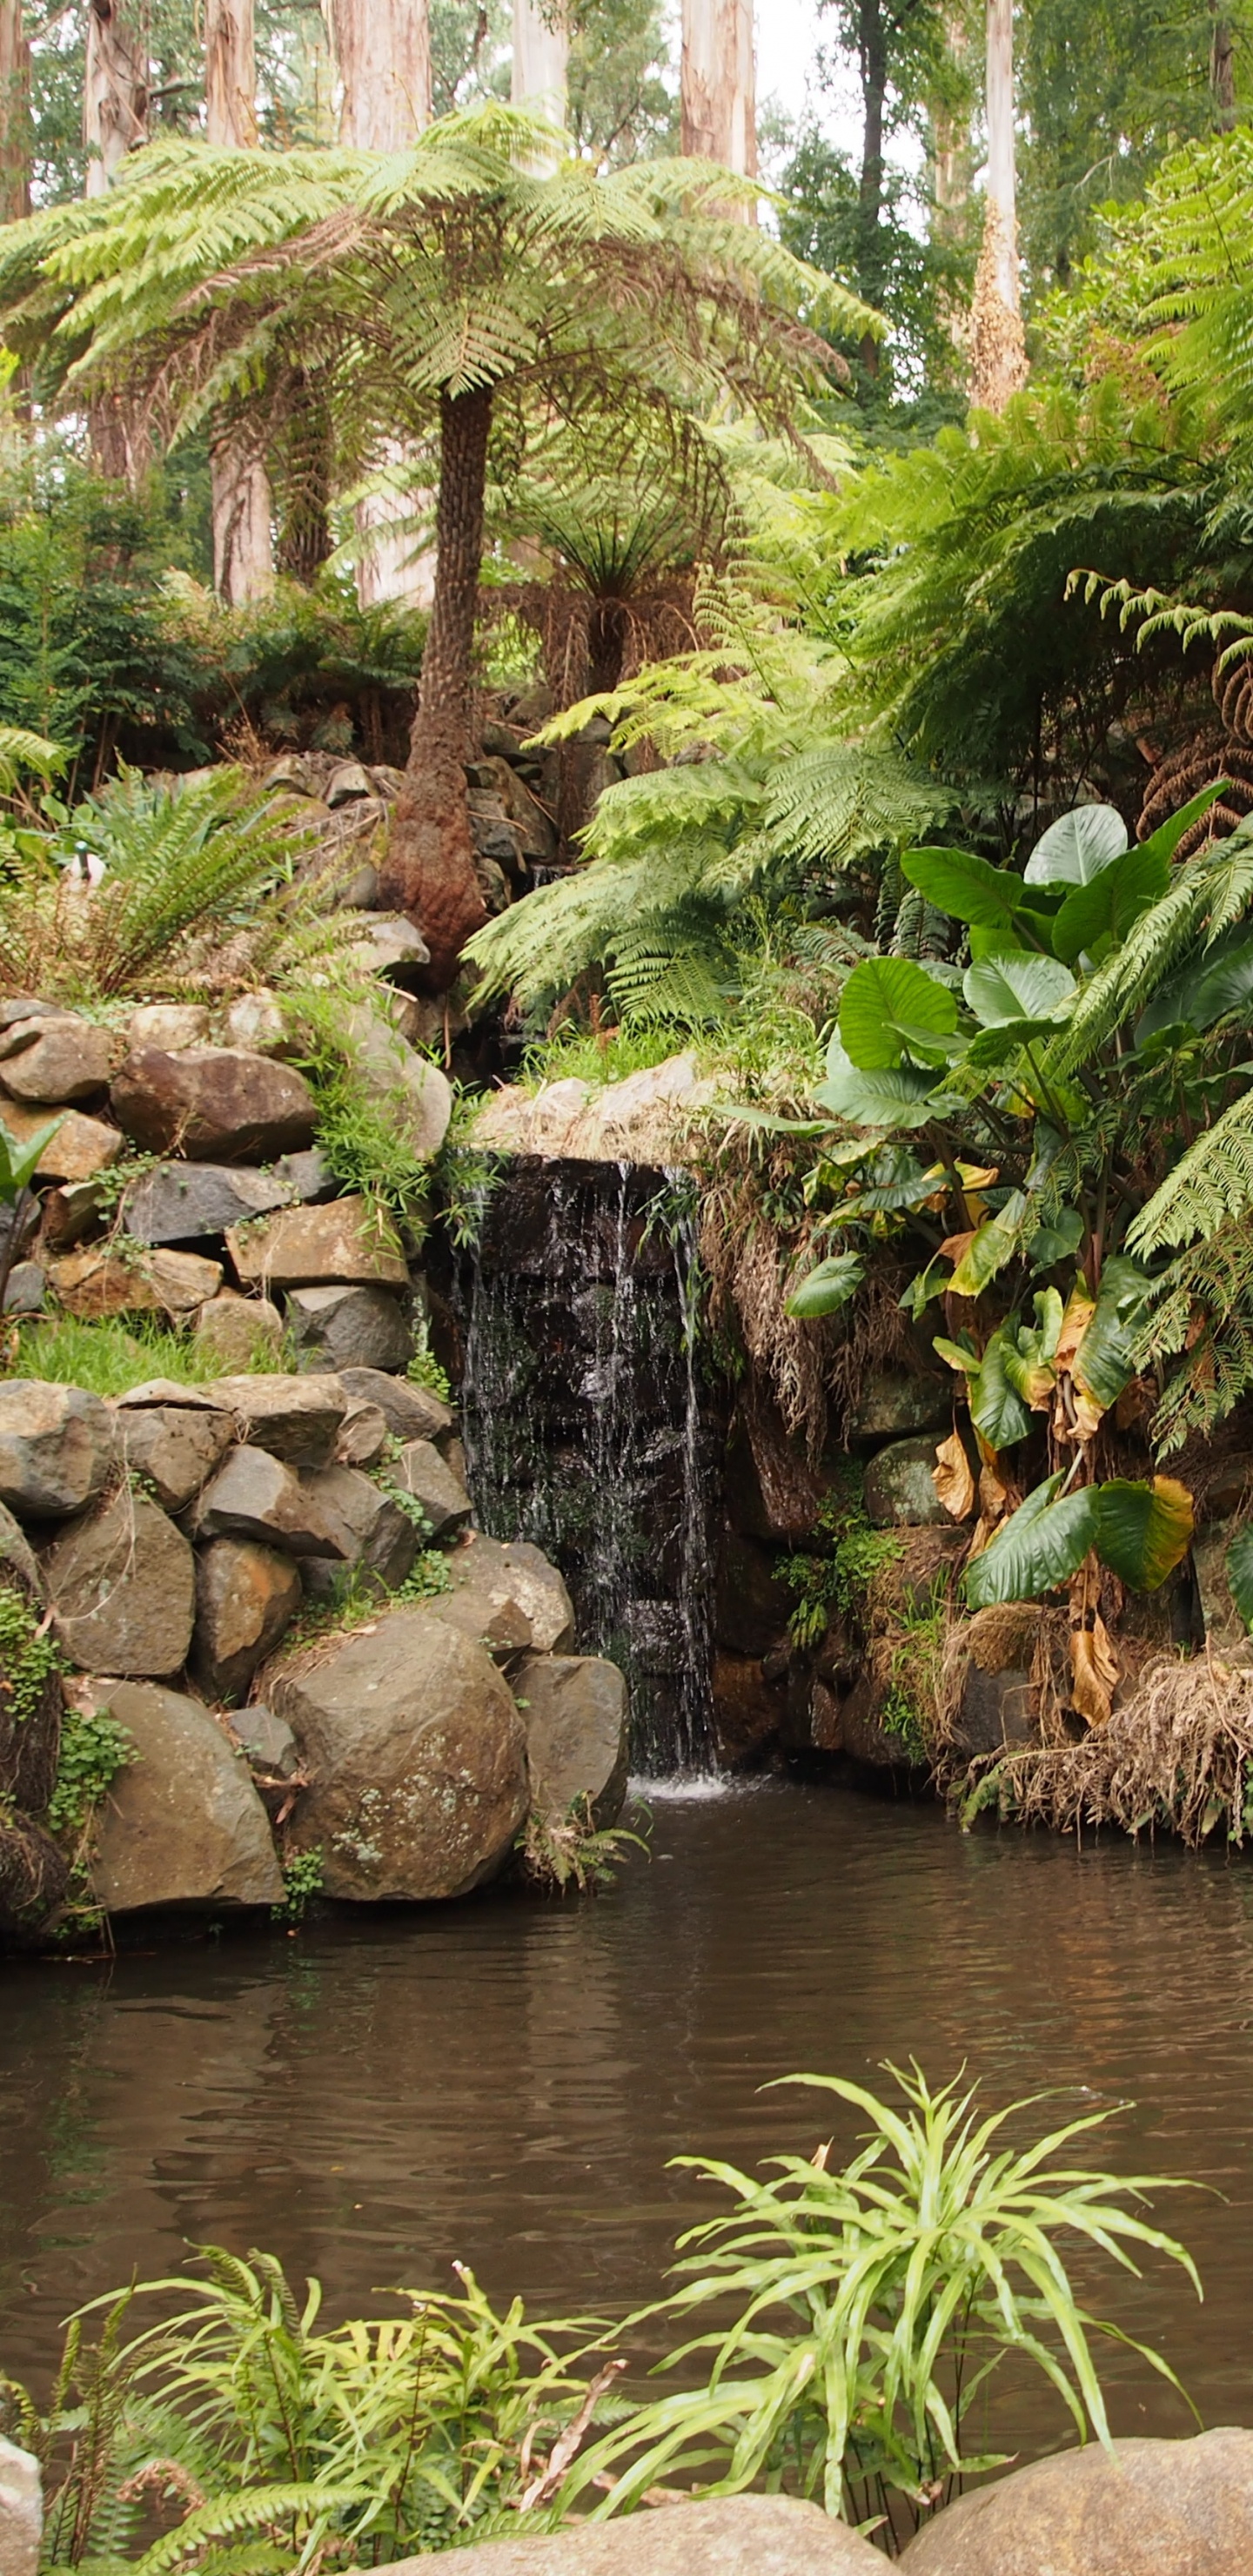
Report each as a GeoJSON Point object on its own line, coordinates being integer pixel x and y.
{"type": "Point", "coordinates": [592, 1428]}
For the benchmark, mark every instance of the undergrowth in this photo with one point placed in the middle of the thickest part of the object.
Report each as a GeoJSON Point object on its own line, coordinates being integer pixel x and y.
{"type": "Point", "coordinates": [109, 1357]}
{"type": "Point", "coordinates": [571, 1850]}
{"type": "Point", "coordinates": [29, 1656]}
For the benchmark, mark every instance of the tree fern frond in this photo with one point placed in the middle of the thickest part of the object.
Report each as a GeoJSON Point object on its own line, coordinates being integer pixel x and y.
{"type": "Point", "coordinates": [1211, 1185]}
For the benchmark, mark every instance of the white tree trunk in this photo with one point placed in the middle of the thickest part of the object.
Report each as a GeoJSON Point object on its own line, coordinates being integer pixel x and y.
{"type": "Point", "coordinates": [383, 53]}
{"type": "Point", "coordinates": [998, 357]}
{"type": "Point", "coordinates": [537, 78]}
{"type": "Point", "coordinates": [383, 56]}
{"type": "Point", "coordinates": [14, 113]}
{"type": "Point", "coordinates": [243, 545]}
{"type": "Point", "coordinates": [718, 83]}
{"type": "Point", "coordinates": [115, 93]}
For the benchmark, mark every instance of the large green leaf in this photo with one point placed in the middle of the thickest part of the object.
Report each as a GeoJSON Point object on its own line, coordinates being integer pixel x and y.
{"type": "Point", "coordinates": [1240, 1574]}
{"type": "Point", "coordinates": [1107, 906]}
{"type": "Point", "coordinates": [1030, 1348]}
{"type": "Point", "coordinates": [828, 1287]}
{"type": "Point", "coordinates": [900, 1098]}
{"type": "Point", "coordinates": [1105, 1359]}
{"type": "Point", "coordinates": [19, 1163]}
{"type": "Point", "coordinates": [994, 1244]}
{"type": "Point", "coordinates": [879, 994]}
{"type": "Point", "coordinates": [1056, 1241]}
{"type": "Point", "coordinates": [1041, 1546]}
{"type": "Point", "coordinates": [1169, 834]}
{"type": "Point", "coordinates": [1011, 986]}
{"type": "Point", "coordinates": [1077, 847]}
{"type": "Point", "coordinates": [965, 887]}
{"type": "Point", "coordinates": [996, 1407]}
{"type": "Point", "coordinates": [1143, 1531]}
{"type": "Point", "coordinates": [1206, 991]}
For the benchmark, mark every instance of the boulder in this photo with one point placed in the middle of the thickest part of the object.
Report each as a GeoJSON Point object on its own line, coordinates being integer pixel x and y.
{"type": "Point", "coordinates": [295, 1418]}
{"type": "Point", "coordinates": [417, 1096]}
{"type": "Point", "coordinates": [71, 1212]}
{"type": "Point", "coordinates": [899, 1491]}
{"type": "Point", "coordinates": [577, 1733]}
{"type": "Point", "coordinates": [182, 1824]}
{"type": "Point", "coordinates": [891, 1402]}
{"type": "Point", "coordinates": [501, 1626]}
{"type": "Point", "coordinates": [81, 1147]}
{"type": "Point", "coordinates": [495, 1573]}
{"type": "Point", "coordinates": [999, 1708]}
{"type": "Point", "coordinates": [389, 944]}
{"type": "Point", "coordinates": [231, 1331]}
{"type": "Point", "coordinates": [21, 2511]}
{"type": "Point", "coordinates": [168, 1390]}
{"type": "Point", "coordinates": [56, 1447]}
{"type": "Point", "coordinates": [246, 1599]}
{"type": "Point", "coordinates": [25, 1287]}
{"type": "Point", "coordinates": [307, 1247]}
{"type": "Point", "coordinates": [255, 1021]}
{"type": "Point", "coordinates": [56, 1060]}
{"type": "Point", "coordinates": [305, 1177]}
{"type": "Point", "coordinates": [752, 1604]}
{"type": "Point", "coordinates": [371, 1530]}
{"type": "Point", "coordinates": [25, 1007]}
{"type": "Point", "coordinates": [168, 1025]}
{"type": "Point", "coordinates": [418, 1760]}
{"type": "Point", "coordinates": [423, 1473]}
{"type": "Point", "coordinates": [1225, 1630]}
{"type": "Point", "coordinates": [273, 1758]}
{"type": "Point", "coordinates": [747, 1709]}
{"type": "Point", "coordinates": [363, 1436]}
{"type": "Point", "coordinates": [213, 1104]}
{"type": "Point", "coordinates": [728, 2536]}
{"type": "Point", "coordinates": [30, 1724]}
{"type": "Point", "coordinates": [122, 1587]}
{"type": "Point", "coordinates": [356, 1327]}
{"type": "Point", "coordinates": [175, 1447]}
{"type": "Point", "coordinates": [253, 1495]}
{"type": "Point", "coordinates": [96, 1282]}
{"type": "Point", "coordinates": [650, 1117]}
{"type": "Point", "coordinates": [347, 781]}
{"type": "Point", "coordinates": [410, 1412]}
{"type": "Point", "coordinates": [183, 1202]}
{"type": "Point", "coordinates": [537, 834]}
{"type": "Point", "coordinates": [17, 1556]}
{"type": "Point", "coordinates": [1154, 2509]}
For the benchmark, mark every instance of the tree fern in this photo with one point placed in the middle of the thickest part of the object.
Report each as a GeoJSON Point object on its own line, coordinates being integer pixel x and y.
{"type": "Point", "coordinates": [1212, 1184]}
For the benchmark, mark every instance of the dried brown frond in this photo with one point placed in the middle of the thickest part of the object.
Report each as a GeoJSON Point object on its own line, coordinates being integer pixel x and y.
{"type": "Point", "coordinates": [1196, 764]}
{"type": "Point", "coordinates": [1177, 1757]}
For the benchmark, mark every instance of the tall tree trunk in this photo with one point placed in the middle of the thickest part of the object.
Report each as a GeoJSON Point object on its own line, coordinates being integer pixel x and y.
{"type": "Point", "coordinates": [14, 114]}
{"type": "Point", "coordinates": [952, 155]}
{"type": "Point", "coordinates": [537, 75]}
{"type": "Point", "coordinates": [115, 93]}
{"type": "Point", "coordinates": [429, 868]}
{"type": "Point", "coordinates": [243, 549]}
{"type": "Point", "coordinates": [382, 53]}
{"type": "Point", "coordinates": [872, 60]}
{"type": "Point", "coordinates": [998, 356]}
{"type": "Point", "coordinates": [718, 85]}
{"type": "Point", "coordinates": [1222, 69]}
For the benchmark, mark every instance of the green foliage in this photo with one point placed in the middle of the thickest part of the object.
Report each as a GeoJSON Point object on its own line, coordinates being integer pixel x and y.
{"type": "Point", "coordinates": [94, 1748]}
{"type": "Point", "coordinates": [303, 1878]}
{"type": "Point", "coordinates": [872, 2305]}
{"type": "Point", "coordinates": [571, 1850]}
{"type": "Point", "coordinates": [108, 1357]}
{"type": "Point", "coordinates": [29, 1656]}
{"type": "Point", "coordinates": [364, 1111]}
{"type": "Point", "coordinates": [425, 1370]}
{"type": "Point", "coordinates": [839, 1572]}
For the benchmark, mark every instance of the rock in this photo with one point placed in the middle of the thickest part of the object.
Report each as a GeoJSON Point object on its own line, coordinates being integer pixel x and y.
{"type": "Point", "coordinates": [353, 1327]}
{"type": "Point", "coordinates": [17, 1556]}
{"type": "Point", "coordinates": [69, 1214]}
{"type": "Point", "coordinates": [305, 1177]}
{"type": "Point", "coordinates": [418, 1098]}
{"type": "Point", "coordinates": [729, 2536]}
{"type": "Point", "coordinates": [267, 1740]}
{"type": "Point", "coordinates": [246, 1599]}
{"type": "Point", "coordinates": [363, 1436]}
{"type": "Point", "coordinates": [96, 1282]}
{"type": "Point", "coordinates": [892, 1402]}
{"type": "Point", "coordinates": [21, 2511]}
{"type": "Point", "coordinates": [423, 1473]}
{"type": "Point", "coordinates": [176, 1447]}
{"type": "Point", "coordinates": [1225, 1630]}
{"type": "Point", "coordinates": [411, 1412]}
{"type": "Point", "coordinates": [858, 1728]}
{"type": "Point", "coordinates": [168, 1025]}
{"type": "Point", "coordinates": [30, 1727]}
{"type": "Point", "coordinates": [1155, 2509]}
{"type": "Point", "coordinates": [899, 1491]}
{"type": "Point", "coordinates": [495, 1573]}
{"type": "Point", "coordinates": [295, 1418]}
{"type": "Point", "coordinates": [122, 1587]}
{"type": "Point", "coordinates": [999, 1708]}
{"type": "Point", "coordinates": [27, 1008]}
{"type": "Point", "coordinates": [772, 1492]}
{"type": "Point", "coordinates": [345, 782]}
{"type": "Point", "coordinates": [389, 945]}
{"type": "Point", "coordinates": [371, 1529]}
{"type": "Point", "coordinates": [183, 1202]}
{"type": "Point", "coordinates": [182, 1825]}
{"type": "Point", "coordinates": [255, 1496]}
{"type": "Point", "coordinates": [231, 1331]}
{"type": "Point", "coordinates": [213, 1104]}
{"type": "Point", "coordinates": [418, 1761]}
{"type": "Point", "coordinates": [574, 1708]}
{"type": "Point", "coordinates": [307, 1247]}
{"type": "Point", "coordinates": [752, 1603]}
{"type": "Point", "coordinates": [167, 1390]}
{"type": "Point", "coordinates": [24, 1291]}
{"type": "Point", "coordinates": [56, 1060]}
{"type": "Point", "coordinates": [80, 1149]}
{"type": "Point", "coordinates": [502, 1626]}
{"type": "Point", "coordinates": [537, 835]}
{"type": "Point", "coordinates": [56, 1447]}
{"type": "Point", "coordinates": [648, 1118]}
{"type": "Point", "coordinates": [256, 1021]}
{"type": "Point", "coordinates": [747, 1709]}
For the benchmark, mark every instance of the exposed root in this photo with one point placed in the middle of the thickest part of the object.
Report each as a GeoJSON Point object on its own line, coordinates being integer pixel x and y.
{"type": "Point", "coordinates": [1178, 1755]}
{"type": "Point", "coordinates": [34, 1874]}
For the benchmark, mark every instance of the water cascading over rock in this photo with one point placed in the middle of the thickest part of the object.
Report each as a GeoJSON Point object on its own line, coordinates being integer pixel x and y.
{"type": "Point", "coordinates": [589, 1428]}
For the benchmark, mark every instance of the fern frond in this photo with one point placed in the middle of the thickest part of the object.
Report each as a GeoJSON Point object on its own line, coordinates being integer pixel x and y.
{"type": "Point", "coordinates": [1210, 1186]}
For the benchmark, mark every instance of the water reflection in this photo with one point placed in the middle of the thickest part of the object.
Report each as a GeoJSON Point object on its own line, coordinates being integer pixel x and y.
{"type": "Point", "coordinates": [503, 2081]}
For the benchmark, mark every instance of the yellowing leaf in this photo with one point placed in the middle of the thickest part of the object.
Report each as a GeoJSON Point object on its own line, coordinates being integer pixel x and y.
{"type": "Point", "coordinates": [952, 1479]}
{"type": "Point", "coordinates": [1094, 1664]}
{"type": "Point", "coordinates": [1080, 1309]}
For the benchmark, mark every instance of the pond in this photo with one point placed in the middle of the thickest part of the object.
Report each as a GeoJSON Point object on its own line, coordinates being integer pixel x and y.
{"type": "Point", "coordinates": [503, 2080]}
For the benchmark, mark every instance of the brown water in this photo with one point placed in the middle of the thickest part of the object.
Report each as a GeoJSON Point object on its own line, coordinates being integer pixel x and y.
{"type": "Point", "coordinates": [504, 2080]}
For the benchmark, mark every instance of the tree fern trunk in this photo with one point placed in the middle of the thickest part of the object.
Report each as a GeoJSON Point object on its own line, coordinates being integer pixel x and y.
{"type": "Point", "coordinates": [429, 869]}
{"type": "Point", "coordinates": [243, 551]}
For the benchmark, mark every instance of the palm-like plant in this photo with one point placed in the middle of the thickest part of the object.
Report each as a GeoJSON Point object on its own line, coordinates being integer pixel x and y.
{"type": "Point", "coordinates": [449, 297]}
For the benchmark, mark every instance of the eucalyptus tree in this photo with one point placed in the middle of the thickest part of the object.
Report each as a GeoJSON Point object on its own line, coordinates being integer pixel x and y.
{"type": "Point", "coordinates": [14, 112]}
{"type": "Point", "coordinates": [243, 555]}
{"type": "Point", "coordinates": [450, 299]}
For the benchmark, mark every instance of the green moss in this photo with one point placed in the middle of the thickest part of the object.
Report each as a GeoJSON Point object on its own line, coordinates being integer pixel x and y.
{"type": "Point", "coordinates": [28, 1655]}
{"type": "Point", "coordinates": [94, 1748]}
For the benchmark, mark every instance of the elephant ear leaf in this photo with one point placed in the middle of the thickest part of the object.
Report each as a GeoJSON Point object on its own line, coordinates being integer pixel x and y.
{"type": "Point", "coordinates": [1043, 1544]}
{"type": "Point", "coordinates": [990, 1247]}
{"type": "Point", "coordinates": [1007, 989]}
{"type": "Point", "coordinates": [828, 1287]}
{"type": "Point", "coordinates": [997, 1409]}
{"type": "Point", "coordinates": [1106, 1356]}
{"type": "Point", "coordinates": [20, 1162]}
{"type": "Point", "coordinates": [884, 1001]}
{"type": "Point", "coordinates": [1143, 1531]}
{"type": "Point", "coordinates": [965, 887]}
{"type": "Point", "coordinates": [1077, 847]}
{"type": "Point", "coordinates": [899, 1097]}
{"type": "Point", "coordinates": [1107, 906]}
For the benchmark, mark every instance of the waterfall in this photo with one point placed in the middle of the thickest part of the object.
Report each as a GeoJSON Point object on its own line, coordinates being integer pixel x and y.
{"type": "Point", "coordinates": [588, 1427]}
